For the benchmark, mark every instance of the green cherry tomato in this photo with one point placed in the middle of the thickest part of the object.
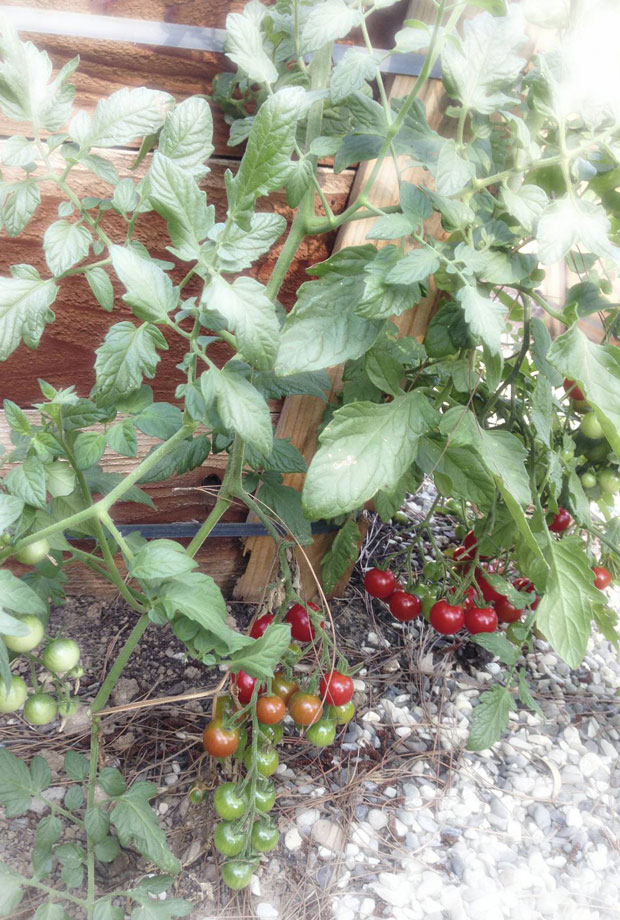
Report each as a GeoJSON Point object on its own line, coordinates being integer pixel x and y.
{"type": "Point", "coordinates": [517, 633]}
{"type": "Point", "coordinates": [428, 601]}
{"type": "Point", "coordinates": [16, 695]}
{"type": "Point", "coordinates": [340, 714]}
{"type": "Point", "coordinates": [264, 836]}
{"type": "Point", "coordinates": [597, 452]}
{"type": "Point", "coordinates": [433, 571]}
{"type": "Point", "coordinates": [609, 481]}
{"type": "Point", "coordinates": [40, 708]}
{"type": "Point", "coordinates": [590, 427]}
{"type": "Point", "coordinates": [588, 480]}
{"type": "Point", "coordinates": [67, 708]}
{"type": "Point", "coordinates": [272, 733]}
{"type": "Point", "coordinates": [229, 801]}
{"type": "Point", "coordinates": [237, 874]}
{"type": "Point", "coordinates": [228, 840]}
{"type": "Point", "coordinates": [61, 655]}
{"type": "Point", "coordinates": [265, 796]}
{"type": "Point", "coordinates": [30, 640]}
{"type": "Point", "coordinates": [195, 795]}
{"type": "Point", "coordinates": [322, 733]}
{"type": "Point", "coordinates": [266, 760]}
{"type": "Point", "coordinates": [33, 553]}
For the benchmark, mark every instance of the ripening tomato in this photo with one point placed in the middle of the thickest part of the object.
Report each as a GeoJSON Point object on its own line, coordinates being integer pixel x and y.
{"type": "Point", "coordinates": [340, 714]}
{"type": "Point", "coordinates": [33, 553]}
{"type": "Point", "coordinates": [322, 733]}
{"type": "Point", "coordinates": [305, 708]}
{"type": "Point", "coordinates": [404, 606]}
{"type": "Point", "coordinates": [486, 589]}
{"type": "Point", "coordinates": [237, 873]}
{"type": "Point", "coordinates": [244, 685]}
{"type": "Point", "coordinates": [507, 612]}
{"type": "Point", "coordinates": [573, 390]}
{"type": "Point", "coordinates": [282, 687]}
{"type": "Point", "coordinates": [259, 626]}
{"type": "Point", "coordinates": [229, 801]}
{"type": "Point", "coordinates": [219, 741]}
{"type": "Point", "coordinates": [480, 619]}
{"type": "Point", "coordinates": [299, 620]}
{"type": "Point", "coordinates": [379, 583]}
{"type": "Point", "coordinates": [336, 688]}
{"type": "Point", "coordinates": [561, 521]}
{"type": "Point", "coordinates": [447, 618]}
{"type": "Point", "coordinates": [602, 577]}
{"type": "Point", "coordinates": [270, 709]}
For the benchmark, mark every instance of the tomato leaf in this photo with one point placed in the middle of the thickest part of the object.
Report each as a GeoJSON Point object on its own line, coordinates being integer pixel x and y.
{"type": "Point", "coordinates": [149, 290]}
{"type": "Point", "coordinates": [342, 554]}
{"type": "Point", "coordinates": [242, 408]}
{"type": "Point", "coordinates": [65, 244]}
{"type": "Point", "coordinates": [245, 44]}
{"type": "Point", "coordinates": [11, 891]}
{"type": "Point", "coordinates": [498, 645]}
{"type": "Point", "coordinates": [187, 134]}
{"type": "Point", "coordinates": [24, 310]}
{"type": "Point", "coordinates": [15, 595]}
{"type": "Point", "coordinates": [240, 248]}
{"type": "Point", "coordinates": [260, 658]}
{"type": "Point", "coordinates": [127, 354]}
{"type": "Point", "coordinates": [18, 785]}
{"type": "Point", "coordinates": [161, 559]}
{"type": "Point", "coordinates": [490, 718]}
{"type": "Point", "coordinates": [249, 313]}
{"type": "Point", "coordinates": [121, 117]}
{"type": "Point", "coordinates": [136, 825]}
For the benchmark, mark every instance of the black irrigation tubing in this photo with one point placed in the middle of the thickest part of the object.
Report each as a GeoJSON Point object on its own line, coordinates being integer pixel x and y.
{"type": "Point", "coordinates": [186, 531]}
{"type": "Point", "coordinates": [167, 35]}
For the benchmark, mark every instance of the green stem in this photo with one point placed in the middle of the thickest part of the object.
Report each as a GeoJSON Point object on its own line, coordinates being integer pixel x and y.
{"type": "Point", "coordinates": [61, 895]}
{"type": "Point", "coordinates": [109, 524]}
{"type": "Point", "coordinates": [231, 486]}
{"type": "Point", "coordinates": [123, 657]}
{"type": "Point", "coordinates": [103, 236]}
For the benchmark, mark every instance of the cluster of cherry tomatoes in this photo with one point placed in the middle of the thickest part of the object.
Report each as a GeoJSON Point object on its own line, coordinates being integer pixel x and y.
{"type": "Point", "coordinates": [60, 657]}
{"type": "Point", "coordinates": [247, 726]}
{"type": "Point", "coordinates": [598, 473]}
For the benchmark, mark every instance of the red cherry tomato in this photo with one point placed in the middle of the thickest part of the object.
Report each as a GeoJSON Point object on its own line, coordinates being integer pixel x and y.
{"type": "Point", "coordinates": [270, 709]}
{"type": "Point", "coordinates": [488, 591]}
{"type": "Point", "coordinates": [561, 521]}
{"type": "Point", "coordinates": [447, 618]}
{"type": "Point", "coordinates": [480, 619]}
{"type": "Point", "coordinates": [259, 626]}
{"type": "Point", "coordinates": [336, 688]}
{"type": "Point", "coordinates": [404, 606]}
{"type": "Point", "coordinates": [573, 390]}
{"type": "Point", "coordinates": [219, 741]}
{"type": "Point", "coordinates": [379, 583]}
{"type": "Point", "coordinates": [506, 611]}
{"type": "Point", "coordinates": [602, 577]}
{"type": "Point", "coordinates": [524, 584]}
{"type": "Point", "coordinates": [245, 684]}
{"type": "Point", "coordinates": [302, 629]}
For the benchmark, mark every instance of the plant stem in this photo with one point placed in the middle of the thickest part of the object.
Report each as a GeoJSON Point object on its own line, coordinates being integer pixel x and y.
{"type": "Point", "coordinates": [123, 657]}
{"type": "Point", "coordinates": [231, 485]}
{"type": "Point", "coordinates": [61, 895]}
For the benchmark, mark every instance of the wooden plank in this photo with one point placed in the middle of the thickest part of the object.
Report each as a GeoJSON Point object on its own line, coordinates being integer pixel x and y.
{"type": "Point", "coordinates": [65, 355]}
{"type": "Point", "coordinates": [301, 415]}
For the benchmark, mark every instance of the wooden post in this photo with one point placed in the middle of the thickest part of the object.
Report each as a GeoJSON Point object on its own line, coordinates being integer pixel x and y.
{"type": "Point", "coordinates": [301, 415]}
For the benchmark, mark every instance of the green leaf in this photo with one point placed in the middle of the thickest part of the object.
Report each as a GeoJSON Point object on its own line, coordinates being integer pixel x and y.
{"type": "Point", "coordinates": [351, 73]}
{"type": "Point", "coordinates": [498, 645]}
{"type": "Point", "coordinates": [365, 447]}
{"type": "Point", "coordinates": [384, 369]}
{"type": "Point", "coordinates": [122, 117]}
{"type": "Point", "coordinates": [11, 507]}
{"type": "Point", "coordinates": [310, 383]}
{"type": "Point", "coordinates": [151, 909]}
{"type": "Point", "coordinates": [122, 439]}
{"type": "Point", "coordinates": [104, 909]}
{"type": "Point", "coordinates": [49, 832]}
{"type": "Point", "coordinates": [175, 195]}
{"type": "Point", "coordinates": [240, 248]}
{"type": "Point", "coordinates": [250, 314]}
{"type": "Point", "coordinates": [566, 608]}
{"type": "Point", "coordinates": [65, 245]}
{"type": "Point", "coordinates": [197, 597]}
{"type": "Point", "coordinates": [485, 317]}
{"type": "Point", "coordinates": [526, 204]}
{"type": "Point", "coordinates": [98, 481]}
{"type": "Point", "coordinates": [327, 21]}
{"type": "Point", "coordinates": [417, 265]}
{"type": "Point", "coordinates": [74, 798]}
{"type": "Point", "coordinates": [60, 479]}
{"type": "Point", "coordinates": [76, 766]}
{"type": "Point", "coordinates": [18, 202]}
{"type": "Point", "coordinates": [96, 823]}
{"type": "Point", "coordinates": [286, 503]}
{"type": "Point", "coordinates": [540, 349]}
{"type": "Point", "coordinates": [454, 172]}
{"type": "Point", "coordinates": [341, 555]}
{"type": "Point", "coordinates": [19, 597]}
{"type": "Point", "coordinates": [261, 658]}
{"type": "Point", "coordinates": [88, 449]}
{"type": "Point", "coordinates": [102, 168]}
{"type": "Point", "coordinates": [186, 456]}
{"type": "Point", "coordinates": [458, 473]}
{"type": "Point", "coordinates": [161, 559]}
{"type": "Point", "coordinates": [27, 481]}
{"type": "Point", "coordinates": [571, 222]}
{"type": "Point", "coordinates": [149, 290]}
{"type": "Point", "coordinates": [159, 420]}
{"type": "Point", "coordinates": [187, 134]}
{"type": "Point", "coordinates": [127, 354]}
{"type": "Point", "coordinates": [390, 227]}
{"type": "Point", "coordinates": [24, 310]}
{"type": "Point", "coordinates": [16, 786]}
{"type": "Point", "coordinates": [525, 694]}
{"type": "Point", "coordinates": [112, 782]}
{"type": "Point", "coordinates": [414, 204]}
{"type": "Point", "coordinates": [245, 46]}
{"type": "Point", "coordinates": [242, 408]}
{"type": "Point", "coordinates": [101, 286]}
{"type": "Point", "coordinates": [541, 410]}
{"type": "Point", "coordinates": [11, 893]}
{"type": "Point", "coordinates": [284, 458]}
{"type": "Point", "coordinates": [490, 718]}
{"type": "Point", "coordinates": [136, 825]}
{"type": "Point", "coordinates": [596, 368]}
{"type": "Point", "coordinates": [18, 151]}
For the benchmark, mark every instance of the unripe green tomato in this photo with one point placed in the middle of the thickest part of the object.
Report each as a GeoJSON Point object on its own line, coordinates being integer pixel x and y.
{"type": "Point", "coordinates": [228, 840]}
{"type": "Point", "coordinates": [591, 428]}
{"type": "Point", "coordinates": [237, 874]}
{"type": "Point", "coordinates": [229, 801]}
{"type": "Point", "coordinates": [597, 452]}
{"type": "Point", "coordinates": [427, 603]}
{"type": "Point", "coordinates": [67, 708]}
{"type": "Point", "coordinates": [322, 733]}
{"type": "Point", "coordinates": [264, 836]}
{"type": "Point", "coordinates": [16, 696]}
{"type": "Point", "coordinates": [433, 571]}
{"type": "Point", "coordinates": [580, 405]}
{"type": "Point", "coordinates": [266, 760]}
{"type": "Point", "coordinates": [33, 553]}
{"type": "Point", "coordinates": [588, 480]}
{"type": "Point", "coordinates": [40, 708]}
{"type": "Point", "coordinates": [460, 532]}
{"type": "Point", "coordinates": [538, 275]}
{"type": "Point", "coordinates": [517, 633]}
{"type": "Point", "coordinates": [77, 672]}
{"type": "Point", "coordinates": [61, 655]}
{"type": "Point", "coordinates": [340, 714]}
{"type": "Point", "coordinates": [609, 481]}
{"type": "Point", "coordinates": [272, 733]}
{"type": "Point", "coordinates": [265, 796]}
{"type": "Point", "coordinates": [294, 652]}
{"type": "Point", "coordinates": [399, 517]}
{"type": "Point", "coordinates": [30, 640]}
{"type": "Point", "coordinates": [195, 795]}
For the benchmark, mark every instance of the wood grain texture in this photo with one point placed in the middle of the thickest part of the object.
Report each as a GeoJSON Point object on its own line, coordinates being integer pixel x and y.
{"type": "Point", "coordinates": [65, 355]}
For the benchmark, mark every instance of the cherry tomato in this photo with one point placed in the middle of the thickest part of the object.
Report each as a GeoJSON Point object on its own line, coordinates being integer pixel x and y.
{"type": "Point", "coordinates": [228, 840]}
{"type": "Point", "coordinates": [282, 687]}
{"type": "Point", "coordinates": [609, 481]}
{"type": "Point", "coordinates": [486, 589]}
{"type": "Point", "coordinates": [480, 619]}
{"type": "Point", "coordinates": [524, 584]}
{"type": "Point", "coordinates": [244, 685]}
{"type": "Point", "coordinates": [447, 618]}
{"type": "Point", "coordinates": [272, 733]}
{"type": "Point", "coordinates": [237, 874]}
{"type": "Point", "coordinates": [33, 553]}
{"type": "Point", "coordinates": [67, 708]}
{"type": "Point", "coordinates": [404, 606]}
{"type": "Point", "coordinates": [588, 480]}
{"type": "Point", "coordinates": [16, 695]}
{"type": "Point", "coordinates": [270, 709]}
{"type": "Point", "coordinates": [219, 741]}
{"type": "Point", "coordinates": [322, 733]}
{"type": "Point", "coordinates": [517, 633]}
{"type": "Point", "coordinates": [230, 803]}
{"type": "Point", "coordinates": [31, 639]}
{"type": "Point", "coordinates": [340, 714]}
{"type": "Point", "coordinates": [259, 626]}
{"type": "Point", "coordinates": [506, 611]}
{"type": "Point", "coordinates": [265, 796]}
{"type": "Point", "coordinates": [336, 688]}
{"type": "Point", "coordinates": [265, 836]}
{"type": "Point", "coordinates": [305, 708]}
{"type": "Point", "coordinates": [602, 578]}
{"type": "Point", "coordinates": [561, 521]}
{"type": "Point", "coordinates": [469, 599]}
{"type": "Point", "coordinates": [40, 708]}
{"type": "Point", "coordinates": [379, 583]}
{"type": "Point", "coordinates": [302, 629]}
{"type": "Point", "coordinates": [266, 760]}
{"type": "Point", "coordinates": [471, 543]}
{"type": "Point", "coordinates": [61, 655]}
{"type": "Point", "coordinates": [591, 428]}
{"type": "Point", "coordinates": [573, 390]}
{"type": "Point", "coordinates": [195, 795]}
